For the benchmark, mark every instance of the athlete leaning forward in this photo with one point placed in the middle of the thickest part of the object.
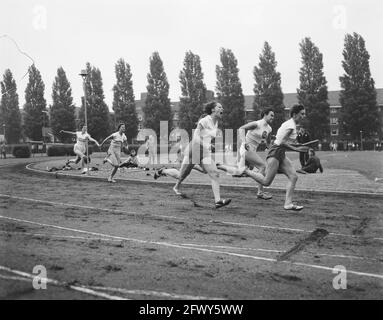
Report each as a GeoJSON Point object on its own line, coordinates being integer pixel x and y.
{"type": "Point", "coordinates": [119, 140]}
{"type": "Point", "coordinates": [258, 132]}
{"type": "Point", "coordinates": [276, 160]}
{"type": "Point", "coordinates": [198, 154]}
{"type": "Point", "coordinates": [82, 138]}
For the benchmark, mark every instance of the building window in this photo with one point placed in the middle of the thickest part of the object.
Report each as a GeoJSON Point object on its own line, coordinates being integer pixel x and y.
{"type": "Point", "coordinates": [333, 110]}
{"type": "Point", "coordinates": [334, 132]}
{"type": "Point", "coordinates": [333, 120]}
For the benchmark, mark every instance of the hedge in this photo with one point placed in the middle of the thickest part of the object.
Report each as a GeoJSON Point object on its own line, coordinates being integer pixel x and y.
{"type": "Point", "coordinates": [63, 150]}
{"type": "Point", "coordinates": [21, 151]}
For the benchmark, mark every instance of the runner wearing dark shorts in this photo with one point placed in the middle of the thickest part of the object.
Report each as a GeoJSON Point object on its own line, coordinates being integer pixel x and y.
{"type": "Point", "coordinates": [276, 160]}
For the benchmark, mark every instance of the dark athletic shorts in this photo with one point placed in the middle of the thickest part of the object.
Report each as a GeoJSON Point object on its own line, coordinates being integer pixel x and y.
{"type": "Point", "coordinates": [277, 152]}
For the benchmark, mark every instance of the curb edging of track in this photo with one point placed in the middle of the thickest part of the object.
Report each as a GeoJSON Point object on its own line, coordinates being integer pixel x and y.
{"type": "Point", "coordinates": [80, 177]}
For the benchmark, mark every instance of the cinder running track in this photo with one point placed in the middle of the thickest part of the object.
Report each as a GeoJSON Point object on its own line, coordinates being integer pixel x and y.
{"type": "Point", "coordinates": [137, 240]}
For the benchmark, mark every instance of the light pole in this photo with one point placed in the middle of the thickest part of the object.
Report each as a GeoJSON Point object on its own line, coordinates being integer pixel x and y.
{"type": "Point", "coordinates": [3, 134]}
{"type": "Point", "coordinates": [361, 140]}
{"type": "Point", "coordinates": [45, 125]}
{"type": "Point", "coordinates": [84, 75]}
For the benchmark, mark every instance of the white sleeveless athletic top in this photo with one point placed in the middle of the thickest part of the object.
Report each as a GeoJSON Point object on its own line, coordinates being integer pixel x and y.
{"type": "Point", "coordinates": [259, 134]}
{"type": "Point", "coordinates": [281, 133]}
{"type": "Point", "coordinates": [118, 139]}
{"type": "Point", "coordinates": [82, 138]}
{"type": "Point", "coordinates": [207, 131]}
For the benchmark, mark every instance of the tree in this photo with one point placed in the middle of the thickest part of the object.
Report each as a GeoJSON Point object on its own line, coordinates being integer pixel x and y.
{"type": "Point", "coordinates": [267, 88]}
{"type": "Point", "coordinates": [97, 110]}
{"type": "Point", "coordinates": [35, 104]}
{"type": "Point", "coordinates": [193, 92]}
{"type": "Point", "coordinates": [229, 91]}
{"type": "Point", "coordinates": [123, 99]}
{"type": "Point", "coordinates": [62, 109]}
{"type": "Point", "coordinates": [157, 104]}
{"type": "Point", "coordinates": [9, 108]}
{"type": "Point", "coordinates": [312, 92]}
{"type": "Point", "coordinates": [358, 95]}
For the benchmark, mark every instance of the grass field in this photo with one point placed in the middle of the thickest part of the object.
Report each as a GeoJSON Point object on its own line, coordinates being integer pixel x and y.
{"type": "Point", "coordinates": [368, 163]}
{"type": "Point", "coordinates": [138, 240]}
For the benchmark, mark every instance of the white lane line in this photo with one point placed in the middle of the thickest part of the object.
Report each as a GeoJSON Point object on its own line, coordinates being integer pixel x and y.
{"type": "Point", "coordinates": [155, 293]}
{"type": "Point", "coordinates": [91, 208]}
{"type": "Point", "coordinates": [171, 245]}
{"type": "Point", "coordinates": [63, 284]}
{"type": "Point", "coordinates": [14, 278]}
{"type": "Point", "coordinates": [178, 218]}
{"type": "Point", "coordinates": [258, 226]}
{"type": "Point", "coordinates": [379, 194]}
{"type": "Point", "coordinates": [149, 293]}
{"type": "Point", "coordinates": [58, 236]}
{"type": "Point", "coordinates": [288, 229]}
{"type": "Point", "coordinates": [187, 245]}
{"type": "Point", "coordinates": [280, 251]}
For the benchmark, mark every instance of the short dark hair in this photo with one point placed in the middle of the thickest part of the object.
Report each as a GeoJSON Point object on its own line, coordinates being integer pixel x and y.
{"type": "Point", "coordinates": [266, 112]}
{"type": "Point", "coordinates": [208, 108]}
{"type": "Point", "coordinates": [295, 109]}
{"type": "Point", "coordinates": [119, 126]}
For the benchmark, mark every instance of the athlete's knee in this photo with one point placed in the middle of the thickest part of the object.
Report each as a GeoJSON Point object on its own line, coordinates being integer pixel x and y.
{"type": "Point", "coordinates": [294, 178]}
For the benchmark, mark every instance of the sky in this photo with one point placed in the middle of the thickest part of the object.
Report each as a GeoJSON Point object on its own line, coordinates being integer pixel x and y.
{"type": "Point", "coordinates": [70, 33]}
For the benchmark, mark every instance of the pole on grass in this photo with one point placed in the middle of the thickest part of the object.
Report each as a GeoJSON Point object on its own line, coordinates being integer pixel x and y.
{"type": "Point", "coordinates": [361, 140]}
{"type": "Point", "coordinates": [84, 75]}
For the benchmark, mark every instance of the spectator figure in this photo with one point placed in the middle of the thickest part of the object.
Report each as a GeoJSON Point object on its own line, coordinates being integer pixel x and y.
{"type": "Point", "coordinates": [132, 161]}
{"type": "Point", "coordinates": [303, 137]}
{"type": "Point", "coordinates": [312, 165]}
{"type": "Point", "coordinates": [3, 153]}
{"type": "Point", "coordinates": [336, 146]}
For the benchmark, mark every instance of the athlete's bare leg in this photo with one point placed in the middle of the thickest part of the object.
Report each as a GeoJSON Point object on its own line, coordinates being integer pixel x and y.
{"type": "Point", "coordinates": [233, 170]}
{"type": "Point", "coordinates": [254, 159]}
{"type": "Point", "coordinates": [272, 165]}
{"type": "Point", "coordinates": [80, 157]}
{"type": "Point", "coordinates": [211, 169]}
{"type": "Point", "coordinates": [114, 171]}
{"type": "Point", "coordinates": [287, 168]}
{"type": "Point", "coordinates": [171, 172]}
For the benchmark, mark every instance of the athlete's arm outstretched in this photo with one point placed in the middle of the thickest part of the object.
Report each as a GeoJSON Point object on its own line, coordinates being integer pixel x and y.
{"type": "Point", "coordinates": [94, 140]}
{"type": "Point", "coordinates": [105, 140]}
{"type": "Point", "coordinates": [68, 132]}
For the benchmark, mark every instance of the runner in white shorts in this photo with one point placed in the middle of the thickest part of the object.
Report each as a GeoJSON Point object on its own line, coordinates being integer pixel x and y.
{"type": "Point", "coordinates": [114, 153]}
{"type": "Point", "coordinates": [198, 152]}
{"type": "Point", "coordinates": [80, 147]}
{"type": "Point", "coordinates": [258, 132]}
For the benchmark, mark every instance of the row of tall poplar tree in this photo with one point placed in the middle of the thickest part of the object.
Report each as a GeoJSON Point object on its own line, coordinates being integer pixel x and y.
{"type": "Point", "coordinates": [358, 95]}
